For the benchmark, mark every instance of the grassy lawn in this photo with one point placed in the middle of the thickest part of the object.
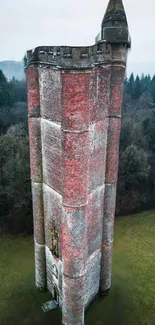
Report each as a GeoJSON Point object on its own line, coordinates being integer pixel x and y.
{"type": "Point", "coordinates": [132, 297]}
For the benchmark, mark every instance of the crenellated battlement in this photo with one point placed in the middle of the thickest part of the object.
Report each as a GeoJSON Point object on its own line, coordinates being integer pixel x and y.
{"type": "Point", "coordinates": [71, 57]}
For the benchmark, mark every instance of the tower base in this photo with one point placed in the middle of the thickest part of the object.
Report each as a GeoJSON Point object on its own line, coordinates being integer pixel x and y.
{"type": "Point", "coordinates": [104, 293]}
{"type": "Point", "coordinates": [41, 289]}
{"type": "Point", "coordinates": [77, 324]}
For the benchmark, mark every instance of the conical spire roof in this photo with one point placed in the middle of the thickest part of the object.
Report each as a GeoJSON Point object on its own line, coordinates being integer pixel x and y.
{"type": "Point", "coordinates": [115, 13]}
{"type": "Point", "coordinates": [114, 27]}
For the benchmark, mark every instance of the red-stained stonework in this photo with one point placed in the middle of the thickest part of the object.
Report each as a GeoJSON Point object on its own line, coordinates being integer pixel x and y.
{"type": "Point", "coordinates": [32, 77]}
{"type": "Point", "coordinates": [103, 85]}
{"type": "Point", "coordinates": [116, 92]}
{"type": "Point", "coordinates": [75, 101]}
{"type": "Point", "coordinates": [35, 149]}
{"type": "Point", "coordinates": [113, 150]}
{"type": "Point", "coordinates": [75, 168]}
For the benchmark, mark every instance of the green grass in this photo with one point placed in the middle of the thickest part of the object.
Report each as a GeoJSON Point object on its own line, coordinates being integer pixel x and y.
{"type": "Point", "coordinates": [132, 297]}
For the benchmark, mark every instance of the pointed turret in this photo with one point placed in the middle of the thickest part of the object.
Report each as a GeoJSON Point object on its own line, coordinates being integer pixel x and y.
{"type": "Point", "coordinates": [115, 14]}
{"type": "Point", "coordinates": [114, 28]}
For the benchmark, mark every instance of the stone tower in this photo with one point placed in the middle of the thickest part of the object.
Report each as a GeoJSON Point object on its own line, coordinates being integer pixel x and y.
{"type": "Point", "coordinates": [74, 103]}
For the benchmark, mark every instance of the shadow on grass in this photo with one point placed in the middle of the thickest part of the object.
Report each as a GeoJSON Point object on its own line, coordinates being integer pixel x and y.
{"type": "Point", "coordinates": [20, 301]}
{"type": "Point", "coordinates": [112, 309]}
{"type": "Point", "coordinates": [24, 308]}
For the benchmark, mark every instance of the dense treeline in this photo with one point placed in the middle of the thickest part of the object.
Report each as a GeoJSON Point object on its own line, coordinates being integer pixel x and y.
{"type": "Point", "coordinates": [136, 182]}
{"type": "Point", "coordinates": [15, 190]}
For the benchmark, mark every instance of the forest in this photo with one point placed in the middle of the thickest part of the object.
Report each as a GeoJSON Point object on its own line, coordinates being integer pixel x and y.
{"type": "Point", "coordinates": [136, 181]}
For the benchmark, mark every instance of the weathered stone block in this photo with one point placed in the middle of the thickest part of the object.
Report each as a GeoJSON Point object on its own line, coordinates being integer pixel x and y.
{"type": "Point", "coordinates": [35, 149]}
{"type": "Point", "coordinates": [52, 159]}
{"type": "Point", "coordinates": [40, 266]}
{"type": "Point", "coordinates": [108, 232]}
{"type": "Point", "coordinates": [54, 273]}
{"type": "Point", "coordinates": [105, 275]}
{"type": "Point", "coordinates": [50, 93]}
{"type": "Point", "coordinates": [97, 154]}
{"type": "Point", "coordinates": [94, 219]}
{"type": "Point", "coordinates": [109, 202]}
{"type": "Point", "coordinates": [38, 213]}
{"type": "Point", "coordinates": [74, 239]}
{"type": "Point", "coordinates": [116, 92]}
{"type": "Point", "coordinates": [51, 134]}
{"type": "Point", "coordinates": [103, 85]}
{"type": "Point", "coordinates": [92, 278]}
{"type": "Point", "coordinates": [109, 213]}
{"type": "Point", "coordinates": [73, 300]}
{"type": "Point", "coordinates": [33, 95]}
{"type": "Point", "coordinates": [75, 101]}
{"type": "Point", "coordinates": [112, 150]}
{"type": "Point", "coordinates": [119, 54]}
{"type": "Point", "coordinates": [75, 168]}
{"type": "Point", "coordinates": [52, 216]}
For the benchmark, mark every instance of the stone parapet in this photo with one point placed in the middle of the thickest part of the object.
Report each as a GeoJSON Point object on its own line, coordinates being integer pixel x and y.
{"type": "Point", "coordinates": [70, 57]}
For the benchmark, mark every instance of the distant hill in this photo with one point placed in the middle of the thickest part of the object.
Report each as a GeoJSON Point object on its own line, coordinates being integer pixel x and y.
{"type": "Point", "coordinates": [16, 68]}
{"type": "Point", "coordinates": [13, 69]}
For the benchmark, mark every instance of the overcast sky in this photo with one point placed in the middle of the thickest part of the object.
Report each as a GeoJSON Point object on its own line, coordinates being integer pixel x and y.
{"type": "Point", "coordinates": [25, 24]}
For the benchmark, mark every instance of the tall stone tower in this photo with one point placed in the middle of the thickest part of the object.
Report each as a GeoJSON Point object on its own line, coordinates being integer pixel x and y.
{"type": "Point", "coordinates": [74, 103]}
